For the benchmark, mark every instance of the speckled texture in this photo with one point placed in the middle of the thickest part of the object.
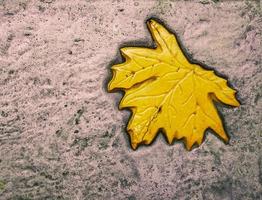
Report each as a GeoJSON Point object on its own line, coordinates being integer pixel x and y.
{"type": "Point", "coordinates": [62, 135]}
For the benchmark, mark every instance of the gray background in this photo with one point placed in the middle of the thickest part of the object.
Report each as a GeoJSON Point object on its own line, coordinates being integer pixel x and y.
{"type": "Point", "coordinates": [62, 135]}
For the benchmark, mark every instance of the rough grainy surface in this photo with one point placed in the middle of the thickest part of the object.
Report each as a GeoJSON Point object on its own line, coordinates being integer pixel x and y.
{"type": "Point", "coordinates": [62, 135]}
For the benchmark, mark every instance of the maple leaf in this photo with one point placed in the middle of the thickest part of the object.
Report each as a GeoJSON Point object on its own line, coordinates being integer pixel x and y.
{"type": "Point", "coordinates": [166, 92]}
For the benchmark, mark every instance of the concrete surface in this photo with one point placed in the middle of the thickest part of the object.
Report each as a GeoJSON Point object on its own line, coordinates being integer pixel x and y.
{"type": "Point", "coordinates": [61, 134]}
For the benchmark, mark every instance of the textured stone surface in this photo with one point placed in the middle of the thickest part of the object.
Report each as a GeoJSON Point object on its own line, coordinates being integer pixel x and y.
{"type": "Point", "coordinates": [61, 134]}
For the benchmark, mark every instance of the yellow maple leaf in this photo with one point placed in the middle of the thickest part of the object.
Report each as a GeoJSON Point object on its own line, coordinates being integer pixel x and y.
{"type": "Point", "coordinates": [166, 92]}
